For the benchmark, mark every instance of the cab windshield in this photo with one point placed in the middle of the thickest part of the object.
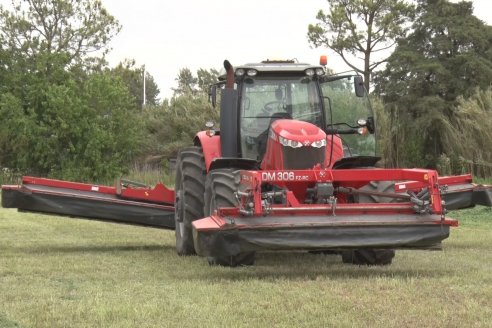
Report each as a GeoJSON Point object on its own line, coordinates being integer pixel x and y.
{"type": "Point", "coordinates": [266, 99]}
{"type": "Point", "coordinates": [344, 109]}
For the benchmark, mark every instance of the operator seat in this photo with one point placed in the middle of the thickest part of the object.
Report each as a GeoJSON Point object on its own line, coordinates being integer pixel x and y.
{"type": "Point", "coordinates": [263, 137]}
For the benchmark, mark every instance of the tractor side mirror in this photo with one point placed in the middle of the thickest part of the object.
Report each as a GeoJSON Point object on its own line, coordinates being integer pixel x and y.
{"type": "Point", "coordinates": [212, 95]}
{"type": "Point", "coordinates": [360, 91]}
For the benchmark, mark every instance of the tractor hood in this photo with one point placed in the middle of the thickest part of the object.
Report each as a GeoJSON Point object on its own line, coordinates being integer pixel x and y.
{"type": "Point", "coordinates": [296, 134]}
{"type": "Point", "coordinates": [294, 145]}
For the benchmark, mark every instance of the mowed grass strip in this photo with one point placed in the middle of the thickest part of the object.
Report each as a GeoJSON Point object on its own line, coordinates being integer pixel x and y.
{"type": "Point", "coordinates": [58, 272]}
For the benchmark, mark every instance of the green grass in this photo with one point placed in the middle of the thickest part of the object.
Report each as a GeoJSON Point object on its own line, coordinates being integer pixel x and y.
{"type": "Point", "coordinates": [57, 272]}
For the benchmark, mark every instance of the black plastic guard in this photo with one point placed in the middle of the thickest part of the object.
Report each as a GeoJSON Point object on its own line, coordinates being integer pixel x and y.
{"type": "Point", "coordinates": [228, 242]}
{"type": "Point", "coordinates": [467, 195]}
{"type": "Point", "coordinates": [460, 196]}
{"type": "Point", "coordinates": [482, 195]}
{"type": "Point", "coordinates": [82, 204]}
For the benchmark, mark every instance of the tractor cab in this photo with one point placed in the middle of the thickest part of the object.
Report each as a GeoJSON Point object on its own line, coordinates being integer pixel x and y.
{"type": "Point", "coordinates": [274, 91]}
{"type": "Point", "coordinates": [289, 115]}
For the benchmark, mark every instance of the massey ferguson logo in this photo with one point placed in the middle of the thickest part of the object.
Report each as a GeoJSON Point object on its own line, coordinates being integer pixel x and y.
{"type": "Point", "coordinates": [306, 143]}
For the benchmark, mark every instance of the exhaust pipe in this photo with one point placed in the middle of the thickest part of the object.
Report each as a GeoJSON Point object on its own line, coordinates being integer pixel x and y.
{"type": "Point", "coordinates": [229, 137]}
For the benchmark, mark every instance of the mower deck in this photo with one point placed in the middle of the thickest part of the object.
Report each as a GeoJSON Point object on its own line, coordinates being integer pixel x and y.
{"type": "Point", "coordinates": [76, 200]}
{"type": "Point", "coordinates": [227, 236]}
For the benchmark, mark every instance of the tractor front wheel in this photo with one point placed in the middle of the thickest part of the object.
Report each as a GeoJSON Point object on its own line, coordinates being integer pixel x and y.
{"type": "Point", "coordinates": [189, 188]}
{"type": "Point", "coordinates": [220, 188]}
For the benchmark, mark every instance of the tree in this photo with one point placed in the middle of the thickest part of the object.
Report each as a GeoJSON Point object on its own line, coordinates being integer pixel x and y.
{"type": "Point", "coordinates": [86, 131]}
{"type": "Point", "coordinates": [473, 122]}
{"type": "Point", "coordinates": [206, 78]}
{"type": "Point", "coordinates": [172, 126]}
{"type": "Point", "coordinates": [132, 76]}
{"type": "Point", "coordinates": [186, 82]}
{"type": "Point", "coordinates": [361, 27]}
{"type": "Point", "coordinates": [190, 84]}
{"type": "Point", "coordinates": [74, 28]}
{"type": "Point", "coordinates": [447, 55]}
{"type": "Point", "coordinates": [61, 115]}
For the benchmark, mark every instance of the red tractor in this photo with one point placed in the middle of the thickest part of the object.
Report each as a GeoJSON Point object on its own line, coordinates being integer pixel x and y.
{"type": "Point", "coordinates": [293, 167]}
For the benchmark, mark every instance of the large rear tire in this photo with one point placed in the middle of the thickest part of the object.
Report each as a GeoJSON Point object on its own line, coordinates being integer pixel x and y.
{"type": "Point", "coordinates": [220, 188]}
{"type": "Point", "coordinates": [372, 256]}
{"type": "Point", "coordinates": [378, 186]}
{"type": "Point", "coordinates": [189, 188]}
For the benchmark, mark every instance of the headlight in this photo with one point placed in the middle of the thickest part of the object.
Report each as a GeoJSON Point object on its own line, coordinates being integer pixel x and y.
{"type": "Point", "coordinates": [252, 72]}
{"type": "Point", "coordinates": [309, 72]}
{"type": "Point", "coordinates": [319, 143]}
{"type": "Point", "coordinates": [289, 143]}
{"type": "Point", "coordinates": [240, 72]}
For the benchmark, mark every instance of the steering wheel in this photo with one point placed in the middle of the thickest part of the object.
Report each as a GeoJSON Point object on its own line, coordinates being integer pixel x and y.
{"type": "Point", "coordinates": [272, 107]}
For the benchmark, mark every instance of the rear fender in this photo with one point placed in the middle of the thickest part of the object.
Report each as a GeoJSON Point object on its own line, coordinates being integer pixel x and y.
{"type": "Point", "coordinates": [236, 163]}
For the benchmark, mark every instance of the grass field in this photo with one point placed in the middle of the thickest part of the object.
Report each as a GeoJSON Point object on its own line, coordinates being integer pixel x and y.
{"type": "Point", "coordinates": [56, 272]}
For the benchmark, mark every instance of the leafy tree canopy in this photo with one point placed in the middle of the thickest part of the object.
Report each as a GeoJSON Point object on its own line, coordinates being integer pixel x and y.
{"type": "Point", "coordinates": [132, 76]}
{"type": "Point", "coordinates": [360, 28]}
{"type": "Point", "coordinates": [447, 55]}
{"type": "Point", "coordinates": [191, 84]}
{"type": "Point", "coordinates": [62, 116]}
{"type": "Point", "coordinates": [75, 28]}
{"type": "Point", "coordinates": [86, 131]}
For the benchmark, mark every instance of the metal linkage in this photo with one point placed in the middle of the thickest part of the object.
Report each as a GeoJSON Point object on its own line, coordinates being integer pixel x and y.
{"type": "Point", "coordinates": [268, 199]}
{"type": "Point", "coordinates": [421, 205]}
{"type": "Point", "coordinates": [245, 201]}
{"type": "Point", "coordinates": [349, 190]}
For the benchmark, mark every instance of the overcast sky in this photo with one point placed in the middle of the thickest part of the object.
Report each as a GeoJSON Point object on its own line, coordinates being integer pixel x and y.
{"type": "Point", "coordinates": [166, 35]}
{"type": "Point", "coordinates": [169, 35]}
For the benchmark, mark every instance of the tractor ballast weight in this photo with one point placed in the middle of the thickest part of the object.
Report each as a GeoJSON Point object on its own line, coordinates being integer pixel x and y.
{"type": "Point", "coordinates": [292, 168]}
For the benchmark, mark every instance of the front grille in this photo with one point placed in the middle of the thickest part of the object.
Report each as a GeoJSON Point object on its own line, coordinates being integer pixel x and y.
{"type": "Point", "coordinates": [303, 158]}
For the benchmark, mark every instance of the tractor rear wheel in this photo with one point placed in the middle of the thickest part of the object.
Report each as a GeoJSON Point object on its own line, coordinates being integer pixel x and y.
{"type": "Point", "coordinates": [220, 188]}
{"type": "Point", "coordinates": [378, 186]}
{"type": "Point", "coordinates": [189, 188]}
{"type": "Point", "coordinates": [372, 256]}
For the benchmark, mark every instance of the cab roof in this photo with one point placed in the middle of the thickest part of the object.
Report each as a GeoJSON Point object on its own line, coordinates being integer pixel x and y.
{"type": "Point", "coordinates": [278, 65]}
{"type": "Point", "coordinates": [271, 66]}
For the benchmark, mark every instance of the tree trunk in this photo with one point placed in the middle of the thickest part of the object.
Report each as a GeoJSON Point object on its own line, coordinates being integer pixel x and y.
{"type": "Point", "coordinates": [367, 69]}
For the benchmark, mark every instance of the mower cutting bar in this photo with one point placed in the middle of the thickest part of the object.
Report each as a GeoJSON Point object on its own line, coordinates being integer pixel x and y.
{"type": "Point", "coordinates": [137, 206]}
{"type": "Point", "coordinates": [231, 235]}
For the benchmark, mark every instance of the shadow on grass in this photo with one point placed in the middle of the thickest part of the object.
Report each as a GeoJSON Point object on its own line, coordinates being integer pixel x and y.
{"type": "Point", "coordinates": [94, 249]}
{"type": "Point", "coordinates": [270, 266]}
{"type": "Point", "coordinates": [304, 266]}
